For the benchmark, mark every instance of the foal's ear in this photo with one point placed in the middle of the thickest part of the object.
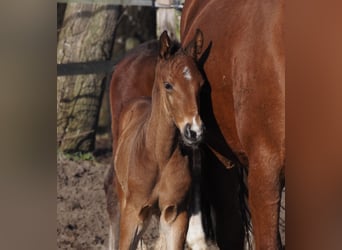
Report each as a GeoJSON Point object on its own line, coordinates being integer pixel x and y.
{"type": "Point", "coordinates": [194, 47]}
{"type": "Point", "coordinates": [165, 45]}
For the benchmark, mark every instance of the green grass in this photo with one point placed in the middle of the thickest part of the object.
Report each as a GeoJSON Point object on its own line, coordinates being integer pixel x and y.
{"type": "Point", "coordinates": [79, 156]}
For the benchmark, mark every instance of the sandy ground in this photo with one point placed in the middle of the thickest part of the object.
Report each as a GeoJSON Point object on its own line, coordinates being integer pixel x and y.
{"type": "Point", "coordinates": [82, 221]}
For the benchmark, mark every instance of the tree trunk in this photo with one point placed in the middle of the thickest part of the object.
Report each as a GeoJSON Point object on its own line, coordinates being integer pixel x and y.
{"type": "Point", "coordinates": [87, 35]}
{"type": "Point", "coordinates": [60, 16]}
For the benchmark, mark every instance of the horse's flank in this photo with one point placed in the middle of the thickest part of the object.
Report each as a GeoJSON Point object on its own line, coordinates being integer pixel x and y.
{"type": "Point", "coordinates": [245, 69]}
{"type": "Point", "coordinates": [132, 127]}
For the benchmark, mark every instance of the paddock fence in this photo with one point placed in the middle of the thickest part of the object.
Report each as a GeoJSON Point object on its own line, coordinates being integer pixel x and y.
{"type": "Point", "coordinates": [107, 66]}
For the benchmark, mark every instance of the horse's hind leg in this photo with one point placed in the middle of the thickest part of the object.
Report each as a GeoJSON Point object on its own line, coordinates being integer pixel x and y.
{"type": "Point", "coordinates": [112, 209]}
{"type": "Point", "coordinates": [173, 226]}
{"type": "Point", "coordinates": [195, 237]}
{"type": "Point", "coordinates": [264, 199]}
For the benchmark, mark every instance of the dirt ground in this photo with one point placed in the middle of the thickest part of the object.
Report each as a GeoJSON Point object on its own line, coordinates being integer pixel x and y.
{"type": "Point", "coordinates": [82, 221]}
{"type": "Point", "coordinates": [81, 212]}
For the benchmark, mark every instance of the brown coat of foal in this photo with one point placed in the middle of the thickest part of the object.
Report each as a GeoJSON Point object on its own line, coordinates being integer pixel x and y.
{"type": "Point", "coordinates": [152, 169]}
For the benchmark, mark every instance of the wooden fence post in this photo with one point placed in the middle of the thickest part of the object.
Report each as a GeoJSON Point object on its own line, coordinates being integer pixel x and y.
{"type": "Point", "coordinates": [168, 19]}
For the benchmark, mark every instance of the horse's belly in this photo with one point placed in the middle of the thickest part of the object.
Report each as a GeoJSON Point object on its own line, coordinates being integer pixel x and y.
{"type": "Point", "coordinates": [222, 106]}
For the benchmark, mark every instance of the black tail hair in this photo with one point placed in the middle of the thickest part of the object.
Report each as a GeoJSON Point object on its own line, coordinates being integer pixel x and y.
{"type": "Point", "coordinates": [200, 184]}
{"type": "Point", "coordinates": [207, 211]}
{"type": "Point", "coordinates": [243, 199]}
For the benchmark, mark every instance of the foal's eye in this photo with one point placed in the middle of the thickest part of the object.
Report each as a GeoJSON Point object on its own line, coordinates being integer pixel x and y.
{"type": "Point", "coordinates": [168, 86]}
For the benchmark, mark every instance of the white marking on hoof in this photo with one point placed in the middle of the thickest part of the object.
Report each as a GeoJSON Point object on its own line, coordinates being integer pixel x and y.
{"type": "Point", "coordinates": [111, 242]}
{"type": "Point", "coordinates": [195, 237]}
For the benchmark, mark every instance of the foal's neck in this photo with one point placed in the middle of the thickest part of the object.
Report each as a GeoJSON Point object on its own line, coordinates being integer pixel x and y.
{"type": "Point", "coordinates": [161, 128]}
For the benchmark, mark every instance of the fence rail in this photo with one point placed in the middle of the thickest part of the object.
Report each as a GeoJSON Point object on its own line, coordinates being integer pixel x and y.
{"type": "Point", "coordinates": [85, 68]}
{"type": "Point", "coordinates": [151, 3]}
{"type": "Point", "coordinates": [97, 67]}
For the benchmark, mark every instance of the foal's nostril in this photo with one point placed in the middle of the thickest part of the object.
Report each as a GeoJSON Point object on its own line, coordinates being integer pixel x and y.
{"type": "Point", "coordinates": [188, 130]}
{"type": "Point", "coordinates": [193, 134]}
{"type": "Point", "coordinates": [190, 133]}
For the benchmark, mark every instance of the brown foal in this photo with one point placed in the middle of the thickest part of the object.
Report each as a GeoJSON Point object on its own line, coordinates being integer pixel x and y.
{"type": "Point", "coordinates": [151, 163]}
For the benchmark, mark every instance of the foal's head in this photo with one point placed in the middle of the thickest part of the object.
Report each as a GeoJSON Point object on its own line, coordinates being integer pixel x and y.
{"type": "Point", "coordinates": [179, 82]}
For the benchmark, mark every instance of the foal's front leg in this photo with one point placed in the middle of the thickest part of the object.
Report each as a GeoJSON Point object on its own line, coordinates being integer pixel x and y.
{"type": "Point", "coordinates": [132, 225]}
{"type": "Point", "coordinates": [174, 187]}
{"type": "Point", "coordinates": [173, 226]}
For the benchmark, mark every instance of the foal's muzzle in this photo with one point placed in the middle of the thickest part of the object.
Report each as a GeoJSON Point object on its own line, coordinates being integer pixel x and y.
{"type": "Point", "coordinates": [192, 134]}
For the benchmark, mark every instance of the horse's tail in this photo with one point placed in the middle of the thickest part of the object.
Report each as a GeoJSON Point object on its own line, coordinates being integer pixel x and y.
{"type": "Point", "coordinates": [244, 210]}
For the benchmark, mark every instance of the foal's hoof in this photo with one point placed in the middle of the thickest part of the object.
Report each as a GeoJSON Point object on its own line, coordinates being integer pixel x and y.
{"type": "Point", "coordinates": [195, 237]}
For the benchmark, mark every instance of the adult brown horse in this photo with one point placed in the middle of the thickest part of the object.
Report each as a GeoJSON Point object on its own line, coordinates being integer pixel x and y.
{"type": "Point", "coordinates": [245, 69]}
{"type": "Point", "coordinates": [152, 165]}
